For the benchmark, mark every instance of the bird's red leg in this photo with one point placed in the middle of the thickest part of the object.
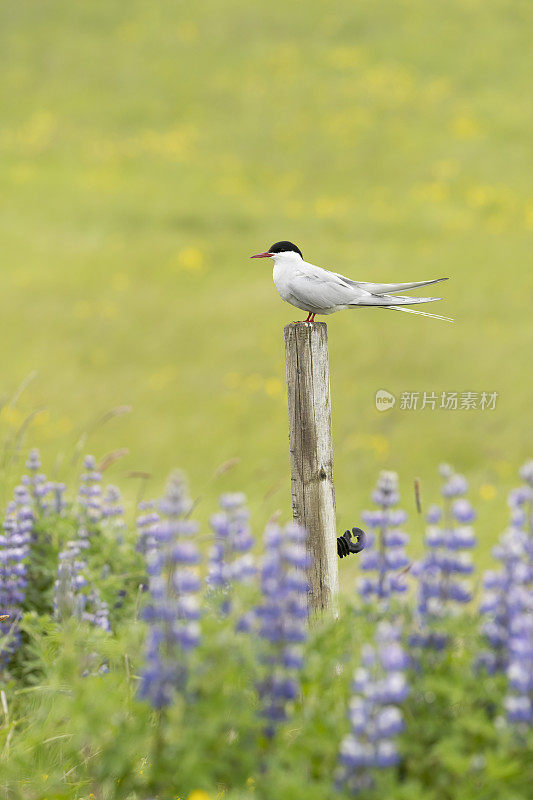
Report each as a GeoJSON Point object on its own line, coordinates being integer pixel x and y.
{"type": "Point", "coordinates": [313, 317]}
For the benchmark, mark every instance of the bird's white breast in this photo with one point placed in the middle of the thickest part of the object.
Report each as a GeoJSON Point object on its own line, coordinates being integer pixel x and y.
{"type": "Point", "coordinates": [281, 276]}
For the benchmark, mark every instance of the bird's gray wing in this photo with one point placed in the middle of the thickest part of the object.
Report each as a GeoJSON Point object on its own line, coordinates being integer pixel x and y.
{"type": "Point", "coordinates": [320, 289]}
{"type": "Point", "coordinates": [387, 288]}
{"type": "Point", "coordinates": [317, 289]}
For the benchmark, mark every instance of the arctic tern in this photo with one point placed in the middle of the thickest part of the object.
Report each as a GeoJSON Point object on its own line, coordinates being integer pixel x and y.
{"type": "Point", "coordinates": [319, 291]}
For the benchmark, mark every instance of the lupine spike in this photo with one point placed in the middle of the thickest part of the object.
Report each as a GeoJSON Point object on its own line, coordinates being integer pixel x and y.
{"type": "Point", "coordinates": [384, 554]}
{"type": "Point", "coordinates": [15, 546]}
{"type": "Point", "coordinates": [113, 511]}
{"type": "Point", "coordinates": [229, 559]}
{"type": "Point", "coordinates": [379, 687]}
{"type": "Point", "coordinates": [36, 483]}
{"type": "Point", "coordinates": [442, 573]}
{"type": "Point", "coordinates": [507, 605]}
{"type": "Point", "coordinates": [173, 611]}
{"type": "Point", "coordinates": [282, 618]}
{"type": "Point", "coordinates": [90, 493]}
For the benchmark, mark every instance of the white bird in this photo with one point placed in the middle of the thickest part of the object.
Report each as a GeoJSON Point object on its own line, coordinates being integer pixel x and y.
{"type": "Point", "coordinates": [319, 291]}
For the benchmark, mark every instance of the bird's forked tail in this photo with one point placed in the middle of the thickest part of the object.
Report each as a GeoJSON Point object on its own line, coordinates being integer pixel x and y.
{"type": "Point", "coordinates": [422, 313]}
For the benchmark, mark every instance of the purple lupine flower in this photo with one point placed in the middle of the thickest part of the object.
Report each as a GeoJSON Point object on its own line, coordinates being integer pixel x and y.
{"type": "Point", "coordinates": [519, 700]}
{"type": "Point", "coordinates": [507, 605]}
{"type": "Point", "coordinates": [33, 463]}
{"type": "Point", "coordinates": [96, 611]}
{"type": "Point", "coordinates": [434, 515]}
{"type": "Point", "coordinates": [508, 590]}
{"type": "Point", "coordinates": [379, 686]}
{"type": "Point", "coordinates": [282, 618]}
{"type": "Point", "coordinates": [173, 611]}
{"type": "Point", "coordinates": [90, 493]}
{"type": "Point", "coordinates": [386, 493]}
{"type": "Point", "coordinates": [443, 572]}
{"type": "Point", "coordinates": [72, 597]}
{"type": "Point", "coordinates": [112, 503]}
{"type": "Point", "coordinates": [232, 501]}
{"type": "Point", "coordinates": [35, 482]}
{"type": "Point", "coordinates": [385, 554]}
{"type": "Point", "coordinates": [454, 486]}
{"type": "Point", "coordinates": [229, 558]}
{"type": "Point", "coordinates": [146, 525]}
{"type": "Point", "coordinates": [176, 503]}
{"type": "Point", "coordinates": [113, 511]}
{"type": "Point", "coordinates": [526, 473]}
{"type": "Point", "coordinates": [15, 545]}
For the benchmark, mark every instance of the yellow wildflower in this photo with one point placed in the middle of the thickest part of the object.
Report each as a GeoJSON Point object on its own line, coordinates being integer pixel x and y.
{"type": "Point", "coordinates": [464, 127]}
{"type": "Point", "coordinates": [190, 259]}
{"type": "Point", "coordinates": [12, 415]}
{"type": "Point", "coordinates": [273, 387]}
{"type": "Point", "coordinates": [379, 444]}
{"type": "Point", "coordinates": [487, 491]}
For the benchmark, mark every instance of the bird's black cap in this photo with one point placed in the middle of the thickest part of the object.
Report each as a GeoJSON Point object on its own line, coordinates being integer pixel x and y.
{"type": "Point", "coordinates": [283, 247]}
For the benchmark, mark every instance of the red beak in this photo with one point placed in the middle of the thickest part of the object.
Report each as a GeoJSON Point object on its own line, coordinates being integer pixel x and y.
{"type": "Point", "coordinates": [262, 255]}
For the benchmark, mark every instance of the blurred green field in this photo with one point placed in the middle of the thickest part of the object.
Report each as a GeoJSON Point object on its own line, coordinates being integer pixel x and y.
{"type": "Point", "coordinates": [147, 149]}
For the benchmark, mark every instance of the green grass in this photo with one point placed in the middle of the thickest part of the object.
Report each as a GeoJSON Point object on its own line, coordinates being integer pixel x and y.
{"type": "Point", "coordinates": [146, 152]}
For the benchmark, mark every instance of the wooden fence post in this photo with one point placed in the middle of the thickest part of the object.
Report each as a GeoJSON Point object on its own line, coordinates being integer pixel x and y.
{"type": "Point", "coordinates": [310, 440]}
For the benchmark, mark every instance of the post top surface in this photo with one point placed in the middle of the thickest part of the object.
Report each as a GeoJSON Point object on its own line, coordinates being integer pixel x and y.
{"type": "Point", "coordinates": [306, 326]}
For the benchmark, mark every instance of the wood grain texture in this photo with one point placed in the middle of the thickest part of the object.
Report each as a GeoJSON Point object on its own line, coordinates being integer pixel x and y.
{"type": "Point", "coordinates": [310, 440]}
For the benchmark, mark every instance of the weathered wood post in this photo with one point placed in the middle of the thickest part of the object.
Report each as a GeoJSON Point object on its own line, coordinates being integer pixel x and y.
{"type": "Point", "coordinates": [310, 440]}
